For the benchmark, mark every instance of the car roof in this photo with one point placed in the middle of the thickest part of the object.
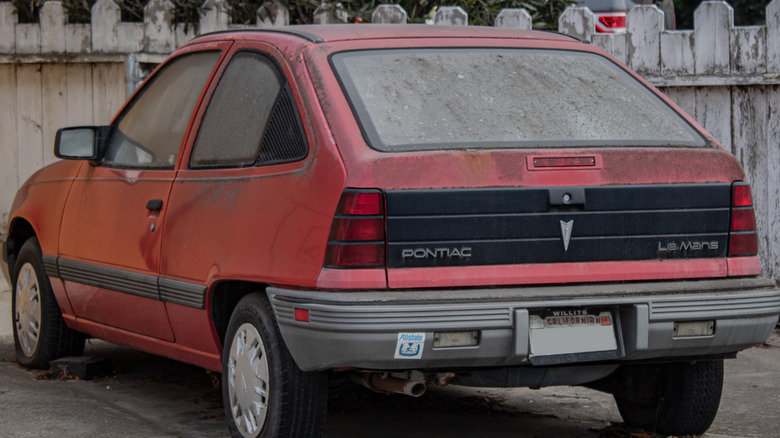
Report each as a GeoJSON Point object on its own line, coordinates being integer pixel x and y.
{"type": "Point", "coordinates": [316, 34]}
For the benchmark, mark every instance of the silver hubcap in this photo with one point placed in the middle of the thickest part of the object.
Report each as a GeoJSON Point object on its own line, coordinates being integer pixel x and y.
{"type": "Point", "coordinates": [248, 381]}
{"type": "Point", "coordinates": [27, 312]}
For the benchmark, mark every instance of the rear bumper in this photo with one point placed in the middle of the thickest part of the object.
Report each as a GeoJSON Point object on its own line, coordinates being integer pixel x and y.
{"type": "Point", "coordinates": [362, 329]}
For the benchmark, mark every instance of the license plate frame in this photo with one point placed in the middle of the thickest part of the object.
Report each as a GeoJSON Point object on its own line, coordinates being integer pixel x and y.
{"type": "Point", "coordinates": [572, 335]}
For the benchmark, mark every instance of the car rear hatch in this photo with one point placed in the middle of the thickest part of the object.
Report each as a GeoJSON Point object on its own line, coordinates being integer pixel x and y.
{"type": "Point", "coordinates": [501, 166]}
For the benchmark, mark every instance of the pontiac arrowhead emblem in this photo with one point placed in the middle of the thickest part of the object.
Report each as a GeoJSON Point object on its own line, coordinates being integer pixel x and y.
{"type": "Point", "coordinates": [566, 233]}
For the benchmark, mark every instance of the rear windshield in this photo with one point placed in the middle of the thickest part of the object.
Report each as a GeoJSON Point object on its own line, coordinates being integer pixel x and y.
{"type": "Point", "coordinates": [427, 99]}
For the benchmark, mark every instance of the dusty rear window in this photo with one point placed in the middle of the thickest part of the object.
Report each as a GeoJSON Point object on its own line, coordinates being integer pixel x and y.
{"type": "Point", "coordinates": [425, 99]}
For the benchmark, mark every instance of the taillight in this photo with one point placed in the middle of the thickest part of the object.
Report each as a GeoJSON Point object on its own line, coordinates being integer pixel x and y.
{"type": "Point", "coordinates": [743, 240]}
{"type": "Point", "coordinates": [357, 236]}
{"type": "Point", "coordinates": [743, 220]}
{"type": "Point", "coordinates": [740, 195]}
{"type": "Point", "coordinates": [611, 22]}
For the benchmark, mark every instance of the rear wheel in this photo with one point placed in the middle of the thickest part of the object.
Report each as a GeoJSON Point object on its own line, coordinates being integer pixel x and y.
{"type": "Point", "coordinates": [672, 399]}
{"type": "Point", "coordinates": [40, 333]}
{"type": "Point", "coordinates": [264, 392]}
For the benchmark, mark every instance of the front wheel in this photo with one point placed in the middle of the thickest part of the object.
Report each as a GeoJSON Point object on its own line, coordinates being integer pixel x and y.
{"type": "Point", "coordinates": [40, 333]}
{"type": "Point", "coordinates": [264, 392]}
{"type": "Point", "coordinates": [672, 399]}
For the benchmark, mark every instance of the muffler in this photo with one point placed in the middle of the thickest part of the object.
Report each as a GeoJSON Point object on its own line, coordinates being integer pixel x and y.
{"type": "Point", "coordinates": [411, 383]}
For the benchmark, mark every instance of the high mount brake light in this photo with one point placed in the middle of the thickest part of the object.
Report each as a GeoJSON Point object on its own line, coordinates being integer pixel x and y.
{"type": "Point", "coordinates": [743, 239]}
{"type": "Point", "coordinates": [565, 162]}
{"type": "Point", "coordinates": [357, 236]}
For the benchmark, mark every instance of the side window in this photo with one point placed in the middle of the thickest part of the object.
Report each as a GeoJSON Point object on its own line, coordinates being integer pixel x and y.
{"type": "Point", "coordinates": [149, 133]}
{"type": "Point", "coordinates": [251, 118]}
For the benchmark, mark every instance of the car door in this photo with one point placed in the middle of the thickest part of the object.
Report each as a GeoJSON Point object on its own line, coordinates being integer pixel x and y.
{"type": "Point", "coordinates": [112, 221]}
{"type": "Point", "coordinates": [249, 148]}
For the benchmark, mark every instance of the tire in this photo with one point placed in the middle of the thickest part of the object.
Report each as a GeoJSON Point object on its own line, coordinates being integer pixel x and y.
{"type": "Point", "coordinates": [285, 402]}
{"type": "Point", "coordinates": [40, 333]}
{"type": "Point", "coordinates": [673, 399]}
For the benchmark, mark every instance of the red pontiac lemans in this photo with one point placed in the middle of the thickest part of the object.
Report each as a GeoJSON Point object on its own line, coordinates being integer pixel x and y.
{"type": "Point", "coordinates": [408, 204]}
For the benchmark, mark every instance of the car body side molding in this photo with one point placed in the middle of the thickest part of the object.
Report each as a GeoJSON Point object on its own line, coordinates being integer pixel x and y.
{"type": "Point", "coordinates": [119, 280]}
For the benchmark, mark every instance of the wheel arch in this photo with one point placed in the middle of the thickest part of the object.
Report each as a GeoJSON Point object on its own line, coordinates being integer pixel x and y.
{"type": "Point", "coordinates": [19, 231]}
{"type": "Point", "coordinates": [223, 298]}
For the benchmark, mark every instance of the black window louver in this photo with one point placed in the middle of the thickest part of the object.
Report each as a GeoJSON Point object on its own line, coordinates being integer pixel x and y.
{"type": "Point", "coordinates": [284, 140]}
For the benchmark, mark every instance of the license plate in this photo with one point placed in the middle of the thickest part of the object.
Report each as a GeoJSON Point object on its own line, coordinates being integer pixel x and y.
{"type": "Point", "coordinates": [571, 332]}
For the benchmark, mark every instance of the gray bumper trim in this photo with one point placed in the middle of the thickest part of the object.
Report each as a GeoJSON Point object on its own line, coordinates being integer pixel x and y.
{"type": "Point", "coordinates": [360, 329]}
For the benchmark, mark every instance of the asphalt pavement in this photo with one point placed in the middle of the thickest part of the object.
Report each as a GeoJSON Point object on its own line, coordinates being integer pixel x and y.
{"type": "Point", "coordinates": [150, 396]}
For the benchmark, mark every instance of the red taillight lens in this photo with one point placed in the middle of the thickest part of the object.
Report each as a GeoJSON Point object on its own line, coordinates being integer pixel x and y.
{"type": "Point", "coordinates": [743, 220]}
{"type": "Point", "coordinates": [357, 236]}
{"type": "Point", "coordinates": [743, 240]}
{"type": "Point", "coordinates": [342, 255]}
{"type": "Point", "coordinates": [743, 244]}
{"type": "Point", "coordinates": [740, 195]}
{"type": "Point", "coordinates": [355, 229]}
{"type": "Point", "coordinates": [613, 21]}
{"type": "Point", "coordinates": [361, 203]}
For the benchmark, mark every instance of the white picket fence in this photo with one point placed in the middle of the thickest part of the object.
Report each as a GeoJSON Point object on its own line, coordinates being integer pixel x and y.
{"type": "Point", "coordinates": [55, 74]}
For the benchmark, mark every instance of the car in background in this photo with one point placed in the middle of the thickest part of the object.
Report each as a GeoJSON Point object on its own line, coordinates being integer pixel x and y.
{"type": "Point", "coordinates": [409, 205]}
{"type": "Point", "coordinates": [611, 14]}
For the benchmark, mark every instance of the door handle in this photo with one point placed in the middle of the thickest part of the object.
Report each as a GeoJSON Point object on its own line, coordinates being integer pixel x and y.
{"type": "Point", "coordinates": [154, 204]}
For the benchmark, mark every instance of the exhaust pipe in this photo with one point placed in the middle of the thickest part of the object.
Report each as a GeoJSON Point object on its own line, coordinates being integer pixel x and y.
{"type": "Point", "coordinates": [411, 383]}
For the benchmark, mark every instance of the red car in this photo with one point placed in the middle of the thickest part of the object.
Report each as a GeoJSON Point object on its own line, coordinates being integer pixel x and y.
{"type": "Point", "coordinates": [408, 204]}
{"type": "Point", "coordinates": [611, 15]}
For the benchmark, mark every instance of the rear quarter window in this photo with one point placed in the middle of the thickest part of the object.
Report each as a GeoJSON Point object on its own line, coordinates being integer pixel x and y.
{"type": "Point", "coordinates": [251, 119]}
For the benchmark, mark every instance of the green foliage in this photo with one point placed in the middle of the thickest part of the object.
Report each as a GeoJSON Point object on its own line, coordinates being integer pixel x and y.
{"type": "Point", "coordinates": [545, 13]}
{"type": "Point", "coordinates": [481, 12]}
{"type": "Point", "coordinates": [749, 12]}
{"type": "Point", "coordinates": [188, 13]}
{"type": "Point", "coordinates": [302, 11]}
{"type": "Point", "coordinates": [132, 10]}
{"type": "Point", "coordinates": [746, 12]}
{"type": "Point", "coordinates": [27, 10]}
{"type": "Point", "coordinates": [243, 11]}
{"type": "Point", "coordinates": [78, 11]}
{"type": "Point", "coordinates": [417, 11]}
